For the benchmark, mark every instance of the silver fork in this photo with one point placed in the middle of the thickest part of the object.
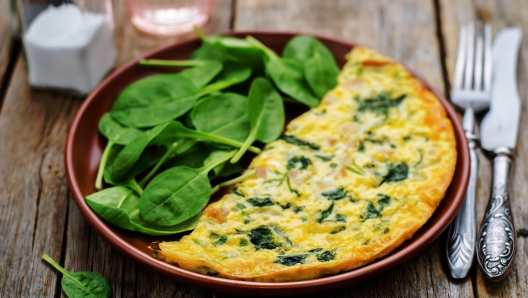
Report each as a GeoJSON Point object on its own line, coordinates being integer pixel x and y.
{"type": "Point", "coordinates": [471, 92]}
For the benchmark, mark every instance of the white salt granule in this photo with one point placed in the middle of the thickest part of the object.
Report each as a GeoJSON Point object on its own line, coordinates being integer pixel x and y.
{"type": "Point", "coordinates": [69, 49]}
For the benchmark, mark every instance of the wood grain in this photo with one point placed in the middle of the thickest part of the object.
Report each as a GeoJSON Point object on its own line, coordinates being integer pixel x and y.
{"type": "Point", "coordinates": [37, 214]}
{"type": "Point", "coordinates": [5, 38]}
{"type": "Point", "coordinates": [406, 31]}
{"type": "Point", "coordinates": [500, 14]}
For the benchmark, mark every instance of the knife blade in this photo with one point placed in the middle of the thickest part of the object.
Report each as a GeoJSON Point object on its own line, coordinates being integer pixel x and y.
{"type": "Point", "coordinates": [496, 244]}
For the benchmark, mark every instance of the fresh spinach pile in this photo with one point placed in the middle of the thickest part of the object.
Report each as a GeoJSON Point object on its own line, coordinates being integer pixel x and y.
{"type": "Point", "coordinates": [171, 136]}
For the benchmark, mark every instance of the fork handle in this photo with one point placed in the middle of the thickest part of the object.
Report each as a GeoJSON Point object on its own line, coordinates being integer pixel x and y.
{"type": "Point", "coordinates": [497, 239]}
{"type": "Point", "coordinates": [462, 231]}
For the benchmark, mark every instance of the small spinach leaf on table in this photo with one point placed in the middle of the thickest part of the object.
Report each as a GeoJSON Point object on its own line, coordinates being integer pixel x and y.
{"type": "Point", "coordinates": [116, 134]}
{"type": "Point", "coordinates": [287, 74]}
{"type": "Point", "coordinates": [82, 283]}
{"type": "Point", "coordinates": [320, 67]}
{"type": "Point", "coordinates": [266, 115]}
{"type": "Point", "coordinates": [177, 194]}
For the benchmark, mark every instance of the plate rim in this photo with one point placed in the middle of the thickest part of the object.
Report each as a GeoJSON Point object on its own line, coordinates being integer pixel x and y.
{"type": "Point", "coordinates": [389, 262]}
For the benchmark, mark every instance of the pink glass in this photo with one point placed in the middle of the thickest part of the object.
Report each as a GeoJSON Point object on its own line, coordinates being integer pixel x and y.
{"type": "Point", "coordinates": [169, 17]}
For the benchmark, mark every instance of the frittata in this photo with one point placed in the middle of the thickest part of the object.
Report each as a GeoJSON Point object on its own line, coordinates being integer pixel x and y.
{"type": "Point", "coordinates": [348, 182]}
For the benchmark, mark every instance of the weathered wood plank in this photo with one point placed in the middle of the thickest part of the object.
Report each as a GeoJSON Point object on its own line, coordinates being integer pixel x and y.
{"type": "Point", "coordinates": [406, 31]}
{"type": "Point", "coordinates": [37, 214]}
{"type": "Point", "coordinates": [500, 14]}
{"type": "Point", "coordinates": [5, 38]}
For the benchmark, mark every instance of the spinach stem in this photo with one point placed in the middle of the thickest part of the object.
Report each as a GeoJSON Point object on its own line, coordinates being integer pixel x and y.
{"type": "Point", "coordinates": [245, 146]}
{"type": "Point", "coordinates": [216, 87]}
{"type": "Point", "coordinates": [171, 63]}
{"type": "Point", "coordinates": [63, 271]}
{"type": "Point", "coordinates": [136, 187]}
{"type": "Point", "coordinates": [54, 264]}
{"type": "Point", "coordinates": [219, 139]}
{"type": "Point", "coordinates": [216, 162]}
{"type": "Point", "coordinates": [248, 174]}
{"type": "Point", "coordinates": [199, 33]}
{"type": "Point", "coordinates": [155, 169]}
{"type": "Point", "coordinates": [102, 165]}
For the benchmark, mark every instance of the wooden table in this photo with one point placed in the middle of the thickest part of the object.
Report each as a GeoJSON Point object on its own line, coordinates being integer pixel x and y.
{"type": "Point", "coordinates": [37, 213]}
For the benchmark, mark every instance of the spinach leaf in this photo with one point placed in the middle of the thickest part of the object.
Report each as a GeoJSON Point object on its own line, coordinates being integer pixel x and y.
{"type": "Point", "coordinates": [326, 256]}
{"type": "Point", "coordinates": [212, 157]}
{"type": "Point", "coordinates": [116, 134]}
{"type": "Point", "coordinates": [193, 157]}
{"type": "Point", "coordinates": [320, 68]}
{"type": "Point", "coordinates": [287, 74]}
{"type": "Point", "coordinates": [227, 48]}
{"type": "Point", "coordinates": [370, 212]}
{"type": "Point", "coordinates": [154, 100]}
{"type": "Point", "coordinates": [113, 205]}
{"type": "Point", "coordinates": [266, 115]}
{"type": "Point", "coordinates": [126, 159]}
{"type": "Point", "coordinates": [174, 131]}
{"type": "Point", "coordinates": [291, 260]}
{"type": "Point", "coordinates": [223, 115]}
{"type": "Point", "coordinates": [298, 162]}
{"type": "Point", "coordinates": [177, 194]}
{"type": "Point", "coordinates": [82, 283]}
{"type": "Point", "coordinates": [326, 213]}
{"type": "Point", "coordinates": [380, 104]}
{"type": "Point", "coordinates": [263, 238]}
{"type": "Point", "coordinates": [156, 230]}
{"type": "Point", "coordinates": [295, 141]}
{"type": "Point", "coordinates": [397, 172]}
{"type": "Point", "coordinates": [335, 195]}
{"type": "Point", "coordinates": [256, 202]}
{"type": "Point", "coordinates": [129, 180]}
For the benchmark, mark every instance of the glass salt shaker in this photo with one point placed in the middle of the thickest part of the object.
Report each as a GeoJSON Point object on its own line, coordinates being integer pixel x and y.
{"type": "Point", "coordinates": [69, 44]}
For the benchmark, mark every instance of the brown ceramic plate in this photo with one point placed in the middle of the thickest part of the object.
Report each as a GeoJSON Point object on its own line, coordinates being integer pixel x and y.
{"type": "Point", "coordinates": [84, 147]}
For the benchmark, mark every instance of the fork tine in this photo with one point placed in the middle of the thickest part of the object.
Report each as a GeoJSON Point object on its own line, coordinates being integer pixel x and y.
{"type": "Point", "coordinates": [470, 48]}
{"type": "Point", "coordinates": [487, 58]}
{"type": "Point", "coordinates": [460, 60]}
{"type": "Point", "coordinates": [479, 74]}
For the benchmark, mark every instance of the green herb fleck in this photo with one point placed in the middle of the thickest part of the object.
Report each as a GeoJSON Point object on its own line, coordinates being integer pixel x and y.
{"type": "Point", "coordinates": [256, 202]}
{"type": "Point", "coordinates": [370, 212]}
{"type": "Point", "coordinates": [297, 209]}
{"type": "Point", "coordinates": [246, 217]}
{"type": "Point", "coordinates": [325, 158]}
{"type": "Point", "coordinates": [315, 250]}
{"type": "Point", "coordinates": [337, 230]}
{"type": "Point", "coordinates": [291, 260]}
{"type": "Point", "coordinates": [298, 162]}
{"type": "Point", "coordinates": [361, 147]}
{"type": "Point", "coordinates": [240, 206]}
{"type": "Point", "coordinates": [285, 206]}
{"type": "Point", "coordinates": [262, 237]}
{"type": "Point", "coordinates": [340, 218]}
{"type": "Point", "coordinates": [326, 213]}
{"type": "Point", "coordinates": [243, 242]}
{"type": "Point", "coordinates": [236, 192]}
{"type": "Point", "coordinates": [333, 165]}
{"type": "Point", "coordinates": [380, 104]}
{"type": "Point", "coordinates": [383, 200]}
{"type": "Point", "coordinates": [221, 241]}
{"type": "Point", "coordinates": [326, 256]}
{"type": "Point", "coordinates": [295, 141]}
{"type": "Point", "coordinates": [397, 172]}
{"type": "Point", "coordinates": [335, 195]}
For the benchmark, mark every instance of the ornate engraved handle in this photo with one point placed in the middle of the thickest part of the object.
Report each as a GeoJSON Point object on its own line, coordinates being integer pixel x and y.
{"type": "Point", "coordinates": [462, 231]}
{"type": "Point", "coordinates": [496, 241]}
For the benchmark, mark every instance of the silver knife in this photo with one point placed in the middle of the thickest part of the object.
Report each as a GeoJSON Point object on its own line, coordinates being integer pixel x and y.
{"type": "Point", "coordinates": [496, 242]}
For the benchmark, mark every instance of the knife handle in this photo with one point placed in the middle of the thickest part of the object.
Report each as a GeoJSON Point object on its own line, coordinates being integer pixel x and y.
{"type": "Point", "coordinates": [497, 239]}
{"type": "Point", "coordinates": [463, 230]}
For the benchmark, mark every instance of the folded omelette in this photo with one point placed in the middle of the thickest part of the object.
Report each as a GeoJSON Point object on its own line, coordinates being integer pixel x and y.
{"type": "Point", "coordinates": [348, 182]}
